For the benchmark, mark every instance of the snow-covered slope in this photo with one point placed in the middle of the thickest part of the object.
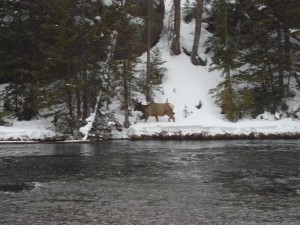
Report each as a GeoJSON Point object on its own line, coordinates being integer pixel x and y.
{"type": "Point", "coordinates": [185, 85]}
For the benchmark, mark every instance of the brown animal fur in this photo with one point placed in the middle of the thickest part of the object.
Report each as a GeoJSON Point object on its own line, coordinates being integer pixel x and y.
{"type": "Point", "coordinates": [156, 110]}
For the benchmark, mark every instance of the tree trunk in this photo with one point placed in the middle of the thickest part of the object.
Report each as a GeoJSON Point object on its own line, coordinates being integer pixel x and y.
{"type": "Point", "coordinates": [280, 61]}
{"type": "Point", "coordinates": [33, 100]}
{"type": "Point", "coordinates": [198, 21]}
{"type": "Point", "coordinates": [78, 103]}
{"type": "Point", "coordinates": [148, 75]}
{"type": "Point", "coordinates": [126, 93]}
{"type": "Point", "coordinates": [69, 104]}
{"type": "Point", "coordinates": [175, 47]}
{"type": "Point", "coordinates": [85, 96]}
{"type": "Point", "coordinates": [69, 94]}
{"type": "Point", "coordinates": [287, 53]}
{"type": "Point", "coordinates": [85, 111]}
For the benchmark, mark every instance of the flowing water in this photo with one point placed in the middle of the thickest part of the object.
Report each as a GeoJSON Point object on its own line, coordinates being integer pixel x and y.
{"type": "Point", "coordinates": [151, 182]}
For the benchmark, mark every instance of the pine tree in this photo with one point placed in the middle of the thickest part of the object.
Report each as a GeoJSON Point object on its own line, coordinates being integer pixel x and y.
{"type": "Point", "coordinates": [267, 53]}
{"type": "Point", "coordinates": [124, 58]}
{"type": "Point", "coordinates": [74, 49]}
{"type": "Point", "coordinates": [157, 66]}
{"type": "Point", "coordinates": [20, 56]}
{"type": "Point", "coordinates": [259, 53]}
{"type": "Point", "coordinates": [157, 72]}
{"type": "Point", "coordinates": [225, 51]}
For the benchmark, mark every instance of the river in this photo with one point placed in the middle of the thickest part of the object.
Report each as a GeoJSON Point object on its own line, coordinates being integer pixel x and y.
{"type": "Point", "coordinates": [151, 182]}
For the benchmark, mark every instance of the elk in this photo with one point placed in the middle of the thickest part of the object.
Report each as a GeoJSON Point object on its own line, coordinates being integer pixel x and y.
{"type": "Point", "coordinates": [156, 110]}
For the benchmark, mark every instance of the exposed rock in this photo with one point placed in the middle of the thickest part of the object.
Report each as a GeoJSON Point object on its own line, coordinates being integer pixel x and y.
{"type": "Point", "coordinates": [157, 18]}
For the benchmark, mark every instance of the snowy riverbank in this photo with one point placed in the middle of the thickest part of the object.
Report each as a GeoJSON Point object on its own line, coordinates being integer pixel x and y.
{"type": "Point", "coordinates": [42, 131]}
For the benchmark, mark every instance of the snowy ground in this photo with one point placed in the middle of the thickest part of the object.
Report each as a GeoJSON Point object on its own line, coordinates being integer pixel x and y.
{"type": "Point", "coordinates": [35, 130]}
{"type": "Point", "coordinates": [185, 86]}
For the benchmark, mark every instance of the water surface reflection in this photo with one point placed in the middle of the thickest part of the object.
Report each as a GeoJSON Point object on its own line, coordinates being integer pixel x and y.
{"type": "Point", "coordinates": [151, 182]}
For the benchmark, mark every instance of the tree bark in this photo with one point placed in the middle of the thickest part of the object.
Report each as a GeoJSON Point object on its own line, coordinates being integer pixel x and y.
{"type": "Point", "coordinates": [287, 53]}
{"type": "Point", "coordinates": [148, 75]}
{"type": "Point", "coordinates": [126, 93]}
{"type": "Point", "coordinates": [78, 103]}
{"type": "Point", "coordinates": [198, 21]}
{"type": "Point", "coordinates": [69, 104]}
{"type": "Point", "coordinates": [175, 47]}
{"type": "Point", "coordinates": [280, 60]}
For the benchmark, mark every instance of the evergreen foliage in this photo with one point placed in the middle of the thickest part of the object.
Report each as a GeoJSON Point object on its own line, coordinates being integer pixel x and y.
{"type": "Point", "coordinates": [124, 58]}
{"type": "Point", "coordinates": [20, 55]}
{"type": "Point", "coordinates": [188, 11]}
{"type": "Point", "coordinates": [252, 46]}
{"type": "Point", "coordinates": [157, 71]}
{"type": "Point", "coordinates": [225, 51]}
{"type": "Point", "coordinates": [105, 125]}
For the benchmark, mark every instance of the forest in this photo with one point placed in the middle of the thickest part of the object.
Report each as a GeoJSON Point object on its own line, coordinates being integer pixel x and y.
{"type": "Point", "coordinates": [68, 58]}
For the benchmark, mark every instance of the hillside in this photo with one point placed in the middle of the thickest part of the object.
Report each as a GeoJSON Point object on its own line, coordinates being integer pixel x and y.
{"type": "Point", "coordinates": [184, 85]}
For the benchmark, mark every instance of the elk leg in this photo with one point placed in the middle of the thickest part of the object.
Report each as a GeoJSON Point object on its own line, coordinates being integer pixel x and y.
{"type": "Point", "coordinates": [156, 117]}
{"type": "Point", "coordinates": [171, 117]}
{"type": "Point", "coordinates": [146, 118]}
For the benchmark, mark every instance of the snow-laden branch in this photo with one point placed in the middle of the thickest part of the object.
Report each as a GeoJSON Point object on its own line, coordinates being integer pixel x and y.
{"type": "Point", "coordinates": [85, 130]}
